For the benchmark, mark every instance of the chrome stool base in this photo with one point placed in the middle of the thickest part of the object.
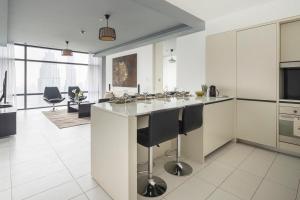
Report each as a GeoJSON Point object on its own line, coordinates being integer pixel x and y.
{"type": "Point", "coordinates": [178, 168]}
{"type": "Point", "coordinates": [153, 187]}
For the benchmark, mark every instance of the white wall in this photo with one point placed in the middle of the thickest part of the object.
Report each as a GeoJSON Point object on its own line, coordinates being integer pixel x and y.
{"type": "Point", "coordinates": [3, 22]}
{"type": "Point", "coordinates": [191, 61]}
{"type": "Point", "coordinates": [191, 48]}
{"type": "Point", "coordinates": [274, 10]}
{"type": "Point", "coordinates": [144, 70]}
{"type": "Point", "coordinates": [158, 67]}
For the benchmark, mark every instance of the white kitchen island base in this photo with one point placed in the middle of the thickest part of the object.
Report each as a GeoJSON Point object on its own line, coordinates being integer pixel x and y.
{"type": "Point", "coordinates": [114, 142]}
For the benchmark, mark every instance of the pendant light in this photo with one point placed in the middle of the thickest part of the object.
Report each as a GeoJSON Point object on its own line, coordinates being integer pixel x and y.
{"type": "Point", "coordinates": [67, 51]}
{"type": "Point", "coordinates": [107, 33]}
{"type": "Point", "coordinates": [172, 59]}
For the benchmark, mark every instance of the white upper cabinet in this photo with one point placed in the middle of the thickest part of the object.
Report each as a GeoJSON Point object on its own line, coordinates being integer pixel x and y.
{"type": "Point", "coordinates": [257, 63]}
{"type": "Point", "coordinates": [221, 62]}
{"type": "Point", "coordinates": [290, 41]}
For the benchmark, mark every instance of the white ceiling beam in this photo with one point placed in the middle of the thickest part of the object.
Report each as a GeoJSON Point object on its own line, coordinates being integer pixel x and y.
{"type": "Point", "coordinates": [188, 24]}
{"type": "Point", "coordinates": [3, 22]}
{"type": "Point", "coordinates": [168, 9]}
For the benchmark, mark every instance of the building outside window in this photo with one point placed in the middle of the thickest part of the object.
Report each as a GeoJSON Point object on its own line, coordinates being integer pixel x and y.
{"type": "Point", "coordinates": [39, 67]}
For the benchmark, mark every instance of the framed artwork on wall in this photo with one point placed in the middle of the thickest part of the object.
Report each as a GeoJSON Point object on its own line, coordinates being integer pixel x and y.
{"type": "Point", "coordinates": [124, 71]}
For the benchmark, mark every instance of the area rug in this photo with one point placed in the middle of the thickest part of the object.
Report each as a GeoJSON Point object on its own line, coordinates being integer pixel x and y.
{"type": "Point", "coordinates": [63, 119]}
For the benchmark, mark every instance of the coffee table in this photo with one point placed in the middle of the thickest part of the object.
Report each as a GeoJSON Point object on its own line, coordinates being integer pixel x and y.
{"type": "Point", "coordinates": [83, 108]}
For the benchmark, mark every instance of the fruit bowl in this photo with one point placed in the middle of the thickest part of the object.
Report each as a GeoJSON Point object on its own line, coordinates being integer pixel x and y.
{"type": "Point", "coordinates": [199, 93]}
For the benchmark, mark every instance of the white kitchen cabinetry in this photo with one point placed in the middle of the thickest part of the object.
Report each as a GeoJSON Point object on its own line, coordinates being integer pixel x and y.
{"type": "Point", "coordinates": [218, 125]}
{"type": "Point", "coordinates": [221, 62]}
{"type": "Point", "coordinates": [257, 63]}
{"type": "Point", "coordinates": [290, 41]}
{"type": "Point", "coordinates": [256, 122]}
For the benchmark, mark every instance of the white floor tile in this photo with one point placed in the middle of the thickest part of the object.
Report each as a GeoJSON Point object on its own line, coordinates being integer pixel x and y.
{"type": "Point", "coordinates": [194, 189]}
{"type": "Point", "coordinates": [40, 185]}
{"type": "Point", "coordinates": [80, 169]}
{"type": "Point", "coordinates": [236, 155]}
{"type": "Point", "coordinates": [5, 142]}
{"type": "Point", "coordinates": [97, 194]}
{"type": "Point", "coordinates": [284, 175]}
{"type": "Point", "coordinates": [5, 183]}
{"type": "Point", "coordinates": [288, 161]}
{"type": "Point", "coordinates": [4, 170]}
{"type": "Point", "coordinates": [258, 162]}
{"type": "Point", "coordinates": [274, 191]}
{"type": "Point", "coordinates": [80, 197]}
{"type": "Point", "coordinates": [61, 192]}
{"type": "Point", "coordinates": [172, 181]}
{"type": "Point", "coordinates": [215, 173]}
{"type": "Point", "coordinates": [5, 195]}
{"type": "Point", "coordinates": [26, 173]}
{"type": "Point", "coordinates": [242, 184]}
{"type": "Point", "coordinates": [139, 197]}
{"type": "Point", "coordinates": [222, 195]}
{"type": "Point", "coordinates": [38, 172]}
{"type": "Point", "coordinates": [86, 182]}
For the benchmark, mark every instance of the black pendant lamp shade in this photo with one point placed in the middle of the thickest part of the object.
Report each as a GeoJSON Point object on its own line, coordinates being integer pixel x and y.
{"type": "Point", "coordinates": [107, 33]}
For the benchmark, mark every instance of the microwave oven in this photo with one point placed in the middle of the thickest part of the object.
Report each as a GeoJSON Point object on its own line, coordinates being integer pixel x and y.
{"type": "Point", "coordinates": [291, 83]}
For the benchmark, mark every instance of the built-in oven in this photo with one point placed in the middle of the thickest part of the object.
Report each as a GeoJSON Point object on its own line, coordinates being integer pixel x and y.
{"type": "Point", "coordinates": [289, 124]}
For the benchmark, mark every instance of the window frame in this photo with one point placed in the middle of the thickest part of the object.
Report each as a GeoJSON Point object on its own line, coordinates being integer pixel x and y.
{"type": "Point", "coordinates": [26, 60]}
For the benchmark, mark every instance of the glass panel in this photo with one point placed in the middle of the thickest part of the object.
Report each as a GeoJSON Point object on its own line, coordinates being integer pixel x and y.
{"type": "Point", "coordinates": [19, 51]}
{"type": "Point", "coordinates": [34, 53]}
{"type": "Point", "coordinates": [286, 127]}
{"type": "Point", "coordinates": [41, 75]}
{"type": "Point", "coordinates": [20, 102]}
{"type": "Point", "coordinates": [20, 83]}
{"type": "Point", "coordinates": [19, 77]}
{"type": "Point", "coordinates": [35, 101]}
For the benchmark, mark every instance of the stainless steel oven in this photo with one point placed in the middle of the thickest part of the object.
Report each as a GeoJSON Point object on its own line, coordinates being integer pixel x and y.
{"type": "Point", "coordinates": [289, 124]}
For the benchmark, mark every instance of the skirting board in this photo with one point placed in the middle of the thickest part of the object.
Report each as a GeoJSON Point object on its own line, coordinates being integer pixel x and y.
{"type": "Point", "coordinates": [269, 148]}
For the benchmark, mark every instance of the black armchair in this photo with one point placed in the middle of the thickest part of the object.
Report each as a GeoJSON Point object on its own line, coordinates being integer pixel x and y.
{"type": "Point", "coordinates": [72, 95]}
{"type": "Point", "coordinates": [52, 96]}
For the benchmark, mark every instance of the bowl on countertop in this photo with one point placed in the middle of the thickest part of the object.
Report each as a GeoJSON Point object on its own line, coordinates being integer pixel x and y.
{"type": "Point", "coordinates": [199, 93]}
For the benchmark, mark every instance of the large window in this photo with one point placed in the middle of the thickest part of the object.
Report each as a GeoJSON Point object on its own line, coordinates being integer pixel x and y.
{"type": "Point", "coordinates": [38, 67]}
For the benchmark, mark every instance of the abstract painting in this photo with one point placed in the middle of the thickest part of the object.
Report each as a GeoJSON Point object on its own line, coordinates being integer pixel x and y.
{"type": "Point", "coordinates": [124, 71]}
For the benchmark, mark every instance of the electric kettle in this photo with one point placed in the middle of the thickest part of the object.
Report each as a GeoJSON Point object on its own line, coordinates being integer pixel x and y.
{"type": "Point", "coordinates": [213, 92]}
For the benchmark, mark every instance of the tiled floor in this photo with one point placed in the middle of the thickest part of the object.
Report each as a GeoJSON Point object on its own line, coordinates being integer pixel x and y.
{"type": "Point", "coordinates": [45, 163]}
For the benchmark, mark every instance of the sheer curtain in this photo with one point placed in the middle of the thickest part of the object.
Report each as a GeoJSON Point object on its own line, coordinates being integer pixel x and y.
{"type": "Point", "coordinates": [94, 77]}
{"type": "Point", "coordinates": [7, 63]}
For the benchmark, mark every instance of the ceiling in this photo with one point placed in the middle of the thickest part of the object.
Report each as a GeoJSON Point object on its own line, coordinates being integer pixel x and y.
{"type": "Point", "coordinates": [212, 9]}
{"type": "Point", "coordinates": [51, 22]}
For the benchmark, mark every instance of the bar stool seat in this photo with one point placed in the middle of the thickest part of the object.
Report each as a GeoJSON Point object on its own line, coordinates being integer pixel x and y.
{"type": "Point", "coordinates": [163, 126]}
{"type": "Point", "coordinates": [192, 119]}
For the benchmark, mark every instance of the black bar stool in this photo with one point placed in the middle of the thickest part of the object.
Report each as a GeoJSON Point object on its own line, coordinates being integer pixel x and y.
{"type": "Point", "coordinates": [192, 118]}
{"type": "Point", "coordinates": [163, 126]}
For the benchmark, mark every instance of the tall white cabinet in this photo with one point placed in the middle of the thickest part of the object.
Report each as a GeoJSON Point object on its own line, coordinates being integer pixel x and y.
{"type": "Point", "coordinates": [244, 64]}
{"type": "Point", "coordinates": [257, 84]}
{"type": "Point", "coordinates": [221, 62]}
{"type": "Point", "coordinates": [257, 63]}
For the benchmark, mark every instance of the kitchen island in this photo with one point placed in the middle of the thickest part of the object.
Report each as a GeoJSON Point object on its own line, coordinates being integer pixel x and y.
{"type": "Point", "coordinates": [115, 152]}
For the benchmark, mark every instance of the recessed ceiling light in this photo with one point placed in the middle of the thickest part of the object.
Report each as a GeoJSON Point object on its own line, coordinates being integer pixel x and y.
{"type": "Point", "coordinates": [83, 32]}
